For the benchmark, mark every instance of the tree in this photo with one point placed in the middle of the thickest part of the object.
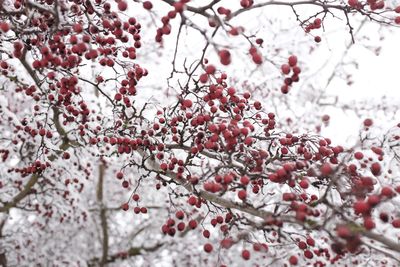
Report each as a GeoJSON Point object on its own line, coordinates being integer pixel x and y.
{"type": "Point", "coordinates": [106, 162]}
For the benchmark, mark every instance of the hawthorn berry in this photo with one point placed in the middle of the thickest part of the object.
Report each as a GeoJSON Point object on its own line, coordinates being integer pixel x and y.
{"type": "Point", "coordinates": [293, 260]}
{"type": "Point", "coordinates": [304, 183]}
{"type": "Point", "coordinates": [242, 194]}
{"type": "Point", "coordinates": [368, 122]}
{"type": "Point", "coordinates": [119, 175]}
{"type": "Point", "coordinates": [187, 103]}
{"type": "Point", "coordinates": [376, 168]}
{"type": "Point", "coordinates": [208, 247]}
{"type": "Point", "coordinates": [244, 180]}
{"type": "Point", "coordinates": [285, 69]}
{"type": "Point", "coordinates": [4, 27]}
{"type": "Point", "coordinates": [308, 254]}
{"type": "Point", "coordinates": [369, 223]}
{"type": "Point", "coordinates": [326, 169]}
{"type": "Point", "coordinates": [135, 197]}
{"type": "Point", "coordinates": [246, 254]}
{"type": "Point", "coordinates": [353, 3]}
{"type": "Point", "coordinates": [210, 69]}
{"type": "Point", "coordinates": [122, 5]}
{"type": "Point", "coordinates": [181, 226]}
{"type": "Point", "coordinates": [192, 200]}
{"type": "Point", "coordinates": [396, 223]}
{"type": "Point", "coordinates": [302, 245]}
{"type": "Point", "coordinates": [292, 61]}
{"type": "Point", "coordinates": [206, 233]}
{"type": "Point", "coordinates": [359, 155]}
{"type": "Point", "coordinates": [180, 214]}
{"type": "Point", "coordinates": [310, 241]}
{"type": "Point", "coordinates": [125, 206]}
{"type": "Point", "coordinates": [361, 207]}
{"type": "Point", "coordinates": [192, 224]}
{"type": "Point", "coordinates": [147, 5]}
{"type": "Point", "coordinates": [225, 57]}
{"type": "Point", "coordinates": [257, 58]}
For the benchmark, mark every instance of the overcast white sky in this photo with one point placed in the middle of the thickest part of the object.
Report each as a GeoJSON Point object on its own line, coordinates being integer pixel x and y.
{"type": "Point", "coordinates": [377, 76]}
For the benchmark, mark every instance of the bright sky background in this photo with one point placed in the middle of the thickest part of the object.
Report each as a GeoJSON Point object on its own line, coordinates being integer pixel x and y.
{"type": "Point", "coordinates": [377, 76]}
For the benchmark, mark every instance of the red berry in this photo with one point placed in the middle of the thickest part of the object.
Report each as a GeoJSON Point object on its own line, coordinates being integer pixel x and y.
{"type": "Point", "coordinates": [257, 58]}
{"type": "Point", "coordinates": [396, 223]}
{"type": "Point", "coordinates": [208, 247]}
{"type": "Point", "coordinates": [304, 183]}
{"type": "Point", "coordinates": [293, 260]}
{"type": "Point", "coordinates": [246, 254]}
{"type": "Point", "coordinates": [343, 231]}
{"type": "Point", "coordinates": [147, 5]}
{"type": "Point", "coordinates": [317, 21]}
{"type": "Point", "coordinates": [387, 191]}
{"type": "Point", "coordinates": [187, 103]}
{"type": "Point", "coordinates": [353, 3]}
{"type": "Point", "coordinates": [210, 69]}
{"type": "Point", "coordinates": [118, 97]}
{"type": "Point", "coordinates": [122, 5]}
{"type": "Point", "coordinates": [244, 180]}
{"type": "Point", "coordinates": [77, 28]}
{"type": "Point", "coordinates": [224, 57]}
{"type": "Point", "coordinates": [325, 118]}
{"type": "Point", "coordinates": [369, 223]}
{"type": "Point", "coordinates": [302, 245]}
{"type": "Point", "coordinates": [285, 69]}
{"type": "Point", "coordinates": [180, 214]}
{"type": "Point", "coordinates": [377, 150]}
{"type": "Point", "coordinates": [192, 200]}
{"type": "Point", "coordinates": [135, 197]}
{"type": "Point", "coordinates": [164, 166]}
{"type": "Point", "coordinates": [125, 206]}
{"type": "Point", "coordinates": [376, 168]}
{"type": "Point", "coordinates": [361, 207]}
{"type": "Point", "coordinates": [226, 243]}
{"type": "Point", "coordinates": [245, 3]}
{"type": "Point", "coordinates": [179, 6]}
{"type": "Point", "coordinates": [326, 169]}
{"type": "Point", "coordinates": [4, 27]}
{"type": "Point", "coordinates": [203, 78]}
{"type": "Point", "coordinates": [310, 241]}
{"type": "Point", "coordinates": [206, 233]}
{"type": "Point", "coordinates": [4, 65]}
{"type": "Point", "coordinates": [120, 175]}
{"type": "Point", "coordinates": [288, 196]}
{"type": "Point", "coordinates": [374, 200]}
{"type": "Point", "coordinates": [192, 224]}
{"type": "Point", "coordinates": [308, 254]}
{"type": "Point", "coordinates": [285, 89]}
{"type": "Point", "coordinates": [368, 122]}
{"type": "Point", "coordinates": [181, 226]}
{"type": "Point", "coordinates": [242, 194]}
{"type": "Point", "coordinates": [292, 61]}
{"type": "Point", "coordinates": [248, 141]}
{"type": "Point", "coordinates": [358, 155]}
